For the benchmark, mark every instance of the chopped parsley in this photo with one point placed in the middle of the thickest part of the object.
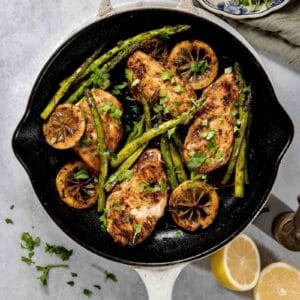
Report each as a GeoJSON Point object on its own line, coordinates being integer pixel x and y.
{"type": "Point", "coordinates": [29, 242]}
{"type": "Point", "coordinates": [87, 292]}
{"type": "Point", "coordinates": [85, 142]}
{"type": "Point", "coordinates": [109, 109]}
{"type": "Point", "coordinates": [98, 78]}
{"type": "Point", "coordinates": [146, 186]}
{"type": "Point", "coordinates": [197, 160]}
{"type": "Point", "coordinates": [81, 174]}
{"type": "Point", "coordinates": [28, 260]}
{"type": "Point", "coordinates": [97, 286]}
{"type": "Point", "coordinates": [116, 206]}
{"type": "Point", "coordinates": [71, 283]}
{"type": "Point", "coordinates": [228, 70]}
{"type": "Point", "coordinates": [110, 276]}
{"type": "Point", "coordinates": [178, 89]}
{"type": "Point", "coordinates": [60, 251]}
{"type": "Point", "coordinates": [178, 234]}
{"type": "Point", "coordinates": [219, 155]}
{"type": "Point", "coordinates": [12, 207]}
{"type": "Point", "coordinates": [137, 230]}
{"type": "Point", "coordinates": [45, 272]}
{"type": "Point", "coordinates": [129, 75]}
{"type": "Point", "coordinates": [199, 66]}
{"type": "Point", "coordinates": [74, 274]}
{"type": "Point", "coordinates": [103, 220]}
{"type": "Point", "coordinates": [167, 75]}
{"type": "Point", "coordinates": [204, 122]}
{"type": "Point", "coordinates": [117, 89]}
{"type": "Point", "coordinates": [200, 176]}
{"type": "Point", "coordinates": [9, 221]}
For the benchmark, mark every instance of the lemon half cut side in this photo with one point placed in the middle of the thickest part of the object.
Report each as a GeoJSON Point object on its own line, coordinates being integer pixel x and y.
{"type": "Point", "coordinates": [237, 265]}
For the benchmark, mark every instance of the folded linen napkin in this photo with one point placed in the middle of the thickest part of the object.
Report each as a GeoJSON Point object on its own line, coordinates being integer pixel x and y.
{"type": "Point", "coordinates": [277, 34]}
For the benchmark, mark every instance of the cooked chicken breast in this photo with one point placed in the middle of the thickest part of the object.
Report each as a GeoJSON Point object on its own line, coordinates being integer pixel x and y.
{"type": "Point", "coordinates": [136, 204]}
{"type": "Point", "coordinates": [209, 141]}
{"type": "Point", "coordinates": [110, 110]}
{"type": "Point", "coordinates": [153, 82]}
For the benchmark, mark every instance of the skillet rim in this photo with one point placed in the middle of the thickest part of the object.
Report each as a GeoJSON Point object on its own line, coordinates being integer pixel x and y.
{"type": "Point", "coordinates": [267, 191]}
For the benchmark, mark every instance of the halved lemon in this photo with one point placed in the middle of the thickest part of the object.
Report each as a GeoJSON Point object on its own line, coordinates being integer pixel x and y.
{"type": "Point", "coordinates": [237, 265]}
{"type": "Point", "coordinates": [278, 281]}
{"type": "Point", "coordinates": [65, 126]}
{"type": "Point", "coordinates": [195, 61]}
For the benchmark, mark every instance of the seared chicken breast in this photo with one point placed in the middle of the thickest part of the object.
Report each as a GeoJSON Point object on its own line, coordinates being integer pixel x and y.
{"type": "Point", "coordinates": [110, 110]}
{"type": "Point", "coordinates": [209, 141]}
{"type": "Point", "coordinates": [151, 81]}
{"type": "Point", "coordinates": [136, 204]}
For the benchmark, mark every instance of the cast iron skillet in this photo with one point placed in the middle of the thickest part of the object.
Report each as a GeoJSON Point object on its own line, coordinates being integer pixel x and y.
{"type": "Point", "coordinates": [271, 133]}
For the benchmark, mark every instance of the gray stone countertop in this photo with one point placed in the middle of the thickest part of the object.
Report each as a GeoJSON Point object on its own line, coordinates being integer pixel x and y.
{"type": "Point", "coordinates": [29, 31]}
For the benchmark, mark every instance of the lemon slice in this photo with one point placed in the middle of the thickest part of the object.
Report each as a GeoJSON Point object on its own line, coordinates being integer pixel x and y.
{"type": "Point", "coordinates": [237, 265]}
{"type": "Point", "coordinates": [278, 281]}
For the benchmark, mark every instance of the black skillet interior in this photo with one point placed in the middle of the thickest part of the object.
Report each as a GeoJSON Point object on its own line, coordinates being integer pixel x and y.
{"type": "Point", "coordinates": [271, 133]}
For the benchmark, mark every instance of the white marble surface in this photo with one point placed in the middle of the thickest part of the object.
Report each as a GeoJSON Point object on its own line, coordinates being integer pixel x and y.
{"type": "Point", "coordinates": [29, 31]}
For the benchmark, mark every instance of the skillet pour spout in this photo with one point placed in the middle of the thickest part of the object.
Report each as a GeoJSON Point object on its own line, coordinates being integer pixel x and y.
{"type": "Point", "coordinates": [271, 134]}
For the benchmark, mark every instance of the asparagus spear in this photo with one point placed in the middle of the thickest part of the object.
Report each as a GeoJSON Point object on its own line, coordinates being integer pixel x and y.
{"type": "Point", "coordinates": [150, 134]}
{"type": "Point", "coordinates": [178, 165]}
{"type": "Point", "coordinates": [103, 171]}
{"type": "Point", "coordinates": [65, 84]}
{"type": "Point", "coordinates": [105, 69]}
{"type": "Point", "coordinates": [243, 117]}
{"type": "Point", "coordinates": [137, 130]}
{"type": "Point", "coordinates": [122, 45]}
{"type": "Point", "coordinates": [239, 179]}
{"type": "Point", "coordinates": [167, 158]}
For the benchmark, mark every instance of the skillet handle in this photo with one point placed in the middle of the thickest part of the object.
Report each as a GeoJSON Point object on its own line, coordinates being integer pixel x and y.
{"type": "Point", "coordinates": [159, 282]}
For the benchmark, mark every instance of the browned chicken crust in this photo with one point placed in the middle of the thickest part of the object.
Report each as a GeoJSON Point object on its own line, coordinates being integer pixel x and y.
{"type": "Point", "coordinates": [152, 81]}
{"type": "Point", "coordinates": [136, 204]}
{"type": "Point", "coordinates": [107, 104]}
{"type": "Point", "coordinates": [209, 141]}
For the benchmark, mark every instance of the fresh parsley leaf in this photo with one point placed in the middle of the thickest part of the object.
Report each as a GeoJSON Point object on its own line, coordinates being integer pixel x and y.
{"type": "Point", "coordinates": [87, 292]}
{"type": "Point", "coordinates": [97, 286]}
{"type": "Point", "coordinates": [204, 122]}
{"type": "Point", "coordinates": [117, 89]}
{"type": "Point", "coordinates": [60, 251]}
{"type": "Point", "coordinates": [108, 108]}
{"type": "Point", "coordinates": [71, 283]}
{"type": "Point", "coordinates": [200, 176]}
{"type": "Point", "coordinates": [116, 206]}
{"type": "Point", "coordinates": [29, 242]}
{"type": "Point", "coordinates": [178, 89]}
{"type": "Point", "coordinates": [45, 272]}
{"type": "Point", "coordinates": [197, 160]}
{"type": "Point", "coordinates": [27, 260]}
{"type": "Point", "coordinates": [81, 174]}
{"type": "Point", "coordinates": [99, 78]}
{"type": "Point", "coordinates": [85, 142]}
{"type": "Point", "coordinates": [199, 66]}
{"type": "Point", "coordinates": [9, 221]}
{"type": "Point", "coordinates": [110, 276]}
{"type": "Point", "coordinates": [219, 155]}
{"type": "Point", "coordinates": [129, 75]}
{"type": "Point", "coordinates": [12, 207]}
{"type": "Point", "coordinates": [178, 234]}
{"type": "Point", "coordinates": [137, 230]}
{"type": "Point", "coordinates": [121, 176]}
{"type": "Point", "coordinates": [103, 220]}
{"type": "Point", "coordinates": [228, 70]}
{"type": "Point", "coordinates": [167, 75]}
{"type": "Point", "coordinates": [74, 274]}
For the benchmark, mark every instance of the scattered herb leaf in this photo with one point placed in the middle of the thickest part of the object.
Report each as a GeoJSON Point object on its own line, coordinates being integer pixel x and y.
{"type": "Point", "coordinates": [74, 274]}
{"type": "Point", "coordinates": [117, 89]}
{"type": "Point", "coordinates": [45, 272]}
{"type": "Point", "coordinates": [71, 283]}
{"type": "Point", "coordinates": [81, 174]}
{"type": "Point", "coordinates": [87, 292]}
{"type": "Point", "coordinates": [199, 66]}
{"type": "Point", "coordinates": [110, 276]}
{"type": "Point", "coordinates": [97, 286]}
{"type": "Point", "coordinates": [28, 241]}
{"type": "Point", "coordinates": [9, 221]}
{"type": "Point", "coordinates": [60, 251]}
{"type": "Point", "coordinates": [103, 220]}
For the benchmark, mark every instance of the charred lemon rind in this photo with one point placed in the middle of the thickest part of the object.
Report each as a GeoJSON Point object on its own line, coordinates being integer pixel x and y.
{"type": "Point", "coordinates": [195, 61]}
{"type": "Point", "coordinates": [194, 205]}
{"type": "Point", "coordinates": [65, 126]}
{"type": "Point", "coordinates": [79, 191]}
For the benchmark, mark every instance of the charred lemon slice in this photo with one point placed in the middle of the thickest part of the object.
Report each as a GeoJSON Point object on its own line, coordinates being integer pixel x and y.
{"type": "Point", "coordinates": [194, 205]}
{"type": "Point", "coordinates": [65, 126]}
{"type": "Point", "coordinates": [195, 61]}
{"type": "Point", "coordinates": [77, 186]}
{"type": "Point", "coordinates": [156, 49]}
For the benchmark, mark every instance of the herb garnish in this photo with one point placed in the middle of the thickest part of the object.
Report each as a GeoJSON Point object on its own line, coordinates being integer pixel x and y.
{"type": "Point", "coordinates": [12, 207]}
{"type": "Point", "coordinates": [97, 286]}
{"type": "Point", "coordinates": [74, 274]}
{"type": "Point", "coordinates": [28, 242]}
{"type": "Point", "coordinates": [81, 174]}
{"type": "Point", "coordinates": [121, 176]}
{"type": "Point", "coordinates": [199, 66]}
{"type": "Point", "coordinates": [197, 160]}
{"type": "Point", "coordinates": [178, 89]}
{"type": "Point", "coordinates": [110, 276]}
{"type": "Point", "coordinates": [137, 230]}
{"type": "Point", "coordinates": [167, 75]}
{"type": "Point", "coordinates": [85, 142]}
{"type": "Point", "coordinates": [116, 206]}
{"type": "Point", "coordinates": [109, 109]}
{"type": "Point", "coordinates": [9, 221]}
{"type": "Point", "coordinates": [45, 272]}
{"type": "Point", "coordinates": [71, 283]}
{"type": "Point", "coordinates": [200, 176]}
{"type": "Point", "coordinates": [178, 234]}
{"type": "Point", "coordinates": [60, 251]}
{"type": "Point", "coordinates": [103, 220]}
{"type": "Point", "coordinates": [117, 89]}
{"type": "Point", "coordinates": [87, 292]}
